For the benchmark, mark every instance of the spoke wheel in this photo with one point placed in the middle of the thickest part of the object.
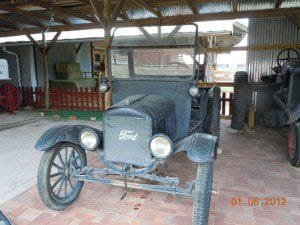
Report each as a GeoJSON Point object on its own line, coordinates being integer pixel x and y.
{"type": "Point", "coordinates": [57, 186]}
{"type": "Point", "coordinates": [11, 100]}
{"type": "Point", "coordinates": [286, 55]}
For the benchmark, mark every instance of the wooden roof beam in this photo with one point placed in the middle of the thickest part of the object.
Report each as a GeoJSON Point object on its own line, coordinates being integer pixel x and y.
{"type": "Point", "coordinates": [17, 21]}
{"type": "Point", "coordinates": [48, 5]}
{"type": "Point", "coordinates": [22, 12]}
{"type": "Point", "coordinates": [173, 33]}
{"type": "Point", "coordinates": [249, 48]}
{"type": "Point", "coordinates": [148, 7]}
{"type": "Point", "coordinates": [146, 34]}
{"type": "Point", "coordinates": [235, 5]}
{"type": "Point", "coordinates": [47, 18]}
{"type": "Point", "coordinates": [9, 7]}
{"type": "Point", "coordinates": [7, 26]}
{"type": "Point", "coordinates": [278, 3]}
{"type": "Point", "coordinates": [98, 10]}
{"type": "Point", "coordinates": [142, 29]}
{"type": "Point", "coordinates": [117, 10]}
{"type": "Point", "coordinates": [193, 9]}
{"type": "Point", "coordinates": [14, 23]}
{"type": "Point", "coordinates": [183, 19]}
{"type": "Point", "coordinates": [171, 20]}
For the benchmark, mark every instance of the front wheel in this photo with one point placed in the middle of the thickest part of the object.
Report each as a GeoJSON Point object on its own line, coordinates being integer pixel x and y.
{"type": "Point", "coordinates": [202, 194]}
{"type": "Point", "coordinates": [56, 184]}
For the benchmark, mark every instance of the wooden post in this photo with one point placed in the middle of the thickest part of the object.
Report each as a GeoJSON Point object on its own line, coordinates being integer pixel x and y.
{"type": "Point", "coordinates": [107, 43]}
{"type": "Point", "coordinates": [224, 103]}
{"type": "Point", "coordinates": [46, 70]}
{"type": "Point", "coordinates": [44, 49]}
{"type": "Point", "coordinates": [251, 118]}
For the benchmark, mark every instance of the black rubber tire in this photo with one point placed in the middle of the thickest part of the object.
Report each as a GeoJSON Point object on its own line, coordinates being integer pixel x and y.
{"type": "Point", "coordinates": [202, 194]}
{"type": "Point", "coordinates": [294, 158]}
{"type": "Point", "coordinates": [44, 183]}
{"type": "Point", "coordinates": [241, 100]}
{"type": "Point", "coordinates": [213, 113]}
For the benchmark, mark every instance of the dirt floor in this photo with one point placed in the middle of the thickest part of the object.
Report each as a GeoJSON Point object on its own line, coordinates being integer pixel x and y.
{"type": "Point", "coordinates": [255, 185]}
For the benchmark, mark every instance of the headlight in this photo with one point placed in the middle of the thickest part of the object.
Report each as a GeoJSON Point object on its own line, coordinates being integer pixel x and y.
{"type": "Point", "coordinates": [161, 146]}
{"type": "Point", "coordinates": [103, 87]}
{"type": "Point", "coordinates": [194, 91]}
{"type": "Point", "coordinates": [89, 139]}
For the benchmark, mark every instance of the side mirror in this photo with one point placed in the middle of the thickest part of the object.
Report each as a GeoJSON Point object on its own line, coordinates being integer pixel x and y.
{"type": "Point", "coordinates": [105, 85]}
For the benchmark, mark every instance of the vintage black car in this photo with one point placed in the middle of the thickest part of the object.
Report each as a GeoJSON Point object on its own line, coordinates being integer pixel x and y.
{"type": "Point", "coordinates": [158, 110]}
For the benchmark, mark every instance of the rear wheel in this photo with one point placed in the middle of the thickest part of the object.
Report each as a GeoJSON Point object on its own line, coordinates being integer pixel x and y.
{"type": "Point", "coordinates": [294, 145]}
{"type": "Point", "coordinates": [202, 193]}
{"type": "Point", "coordinates": [241, 100]}
{"type": "Point", "coordinates": [213, 113]}
{"type": "Point", "coordinates": [56, 184]}
{"type": "Point", "coordinates": [12, 97]}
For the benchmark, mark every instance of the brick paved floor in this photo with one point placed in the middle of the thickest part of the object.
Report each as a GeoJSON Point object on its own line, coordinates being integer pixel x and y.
{"type": "Point", "coordinates": [251, 166]}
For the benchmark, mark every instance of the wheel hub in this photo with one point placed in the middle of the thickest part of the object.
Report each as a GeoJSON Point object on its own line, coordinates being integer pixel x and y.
{"type": "Point", "coordinates": [67, 171]}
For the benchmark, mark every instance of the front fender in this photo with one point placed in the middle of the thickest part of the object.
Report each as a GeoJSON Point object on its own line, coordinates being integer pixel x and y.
{"type": "Point", "coordinates": [67, 133]}
{"type": "Point", "coordinates": [200, 147]}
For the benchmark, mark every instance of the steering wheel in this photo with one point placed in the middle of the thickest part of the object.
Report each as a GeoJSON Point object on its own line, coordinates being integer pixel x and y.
{"type": "Point", "coordinates": [286, 55]}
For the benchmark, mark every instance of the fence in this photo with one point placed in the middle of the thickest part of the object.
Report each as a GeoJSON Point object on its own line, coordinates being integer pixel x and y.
{"type": "Point", "coordinates": [226, 104]}
{"type": "Point", "coordinates": [90, 99]}
{"type": "Point", "coordinates": [226, 96]}
{"type": "Point", "coordinates": [64, 98]}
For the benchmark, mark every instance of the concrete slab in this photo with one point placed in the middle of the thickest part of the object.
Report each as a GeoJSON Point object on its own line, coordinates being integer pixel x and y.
{"type": "Point", "coordinates": [18, 116]}
{"type": "Point", "coordinates": [18, 158]}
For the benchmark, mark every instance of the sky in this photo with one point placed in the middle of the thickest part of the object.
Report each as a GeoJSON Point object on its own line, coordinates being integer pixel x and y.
{"type": "Point", "coordinates": [97, 33]}
{"type": "Point", "coordinates": [224, 25]}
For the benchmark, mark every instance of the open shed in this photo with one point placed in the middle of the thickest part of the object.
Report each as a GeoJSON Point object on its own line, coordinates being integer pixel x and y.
{"type": "Point", "coordinates": [29, 17]}
{"type": "Point", "coordinates": [51, 72]}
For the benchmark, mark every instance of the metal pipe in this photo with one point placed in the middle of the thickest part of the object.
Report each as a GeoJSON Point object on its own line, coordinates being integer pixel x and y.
{"type": "Point", "coordinates": [107, 43]}
{"type": "Point", "coordinates": [46, 71]}
{"type": "Point", "coordinates": [18, 64]}
{"type": "Point", "coordinates": [148, 187]}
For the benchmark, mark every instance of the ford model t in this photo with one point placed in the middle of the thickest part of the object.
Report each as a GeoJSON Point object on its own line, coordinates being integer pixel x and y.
{"type": "Point", "coordinates": [158, 111]}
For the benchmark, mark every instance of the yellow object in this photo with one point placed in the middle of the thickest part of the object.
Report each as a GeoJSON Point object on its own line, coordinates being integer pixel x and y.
{"type": "Point", "coordinates": [251, 119]}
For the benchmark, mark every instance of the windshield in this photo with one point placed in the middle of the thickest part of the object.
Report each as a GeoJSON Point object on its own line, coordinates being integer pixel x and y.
{"type": "Point", "coordinates": [164, 51]}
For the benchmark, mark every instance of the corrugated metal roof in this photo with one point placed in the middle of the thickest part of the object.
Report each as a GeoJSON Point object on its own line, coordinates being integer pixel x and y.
{"type": "Point", "coordinates": [139, 14]}
{"type": "Point", "coordinates": [212, 7]}
{"type": "Point", "coordinates": [246, 5]}
{"type": "Point", "coordinates": [290, 3]}
{"type": "Point", "coordinates": [82, 13]}
{"type": "Point", "coordinates": [175, 10]}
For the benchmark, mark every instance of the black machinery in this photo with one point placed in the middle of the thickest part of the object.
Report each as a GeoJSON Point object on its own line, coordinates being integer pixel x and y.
{"type": "Point", "coordinates": [280, 94]}
{"type": "Point", "coordinates": [284, 87]}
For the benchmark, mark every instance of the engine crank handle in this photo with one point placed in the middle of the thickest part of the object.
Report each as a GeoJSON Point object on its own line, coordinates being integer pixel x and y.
{"type": "Point", "coordinates": [125, 186]}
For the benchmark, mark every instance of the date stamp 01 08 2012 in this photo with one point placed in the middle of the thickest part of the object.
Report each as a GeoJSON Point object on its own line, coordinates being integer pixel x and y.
{"type": "Point", "coordinates": [253, 201]}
